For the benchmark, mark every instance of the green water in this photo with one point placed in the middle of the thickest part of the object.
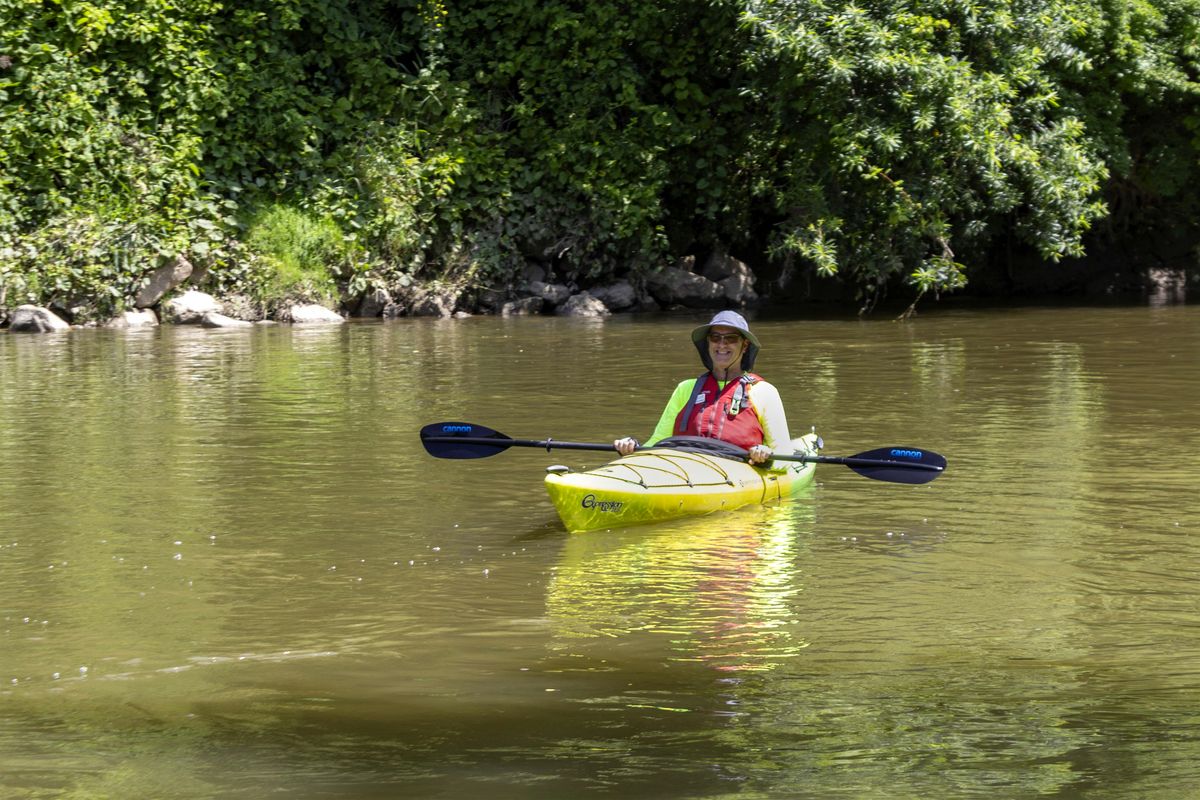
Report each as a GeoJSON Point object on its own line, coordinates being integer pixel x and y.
{"type": "Point", "coordinates": [228, 570]}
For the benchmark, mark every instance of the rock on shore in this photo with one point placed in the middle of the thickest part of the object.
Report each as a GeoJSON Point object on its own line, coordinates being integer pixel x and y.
{"type": "Point", "coordinates": [163, 280]}
{"type": "Point", "coordinates": [214, 320]}
{"type": "Point", "coordinates": [144, 318]}
{"type": "Point", "coordinates": [722, 282]}
{"type": "Point", "coordinates": [189, 308]}
{"type": "Point", "coordinates": [311, 314]}
{"type": "Point", "coordinates": [35, 319]}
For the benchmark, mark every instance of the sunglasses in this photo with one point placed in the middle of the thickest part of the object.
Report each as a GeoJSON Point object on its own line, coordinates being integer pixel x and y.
{"type": "Point", "coordinates": [727, 338]}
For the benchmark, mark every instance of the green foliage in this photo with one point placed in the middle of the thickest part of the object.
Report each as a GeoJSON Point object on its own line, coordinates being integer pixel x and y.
{"type": "Point", "coordinates": [325, 146]}
{"type": "Point", "coordinates": [900, 129]}
{"type": "Point", "coordinates": [1141, 106]}
{"type": "Point", "coordinates": [153, 127]}
{"type": "Point", "coordinates": [572, 168]}
{"type": "Point", "coordinates": [303, 254]}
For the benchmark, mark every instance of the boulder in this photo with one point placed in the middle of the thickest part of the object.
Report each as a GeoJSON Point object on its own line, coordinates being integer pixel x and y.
{"type": "Point", "coordinates": [719, 266]}
{"type": "Point", "coordinates": [552, 293]}
{"type": "Point", "coordinates": [163, 280]}
{"type": "Point", "coordinates": [142, 318]}
{"type": "Point", "coordinates": [35, 319]}
{"type": "Point", "coordinates": [582, 305]}
{"type": "Point", "coordinates": [425, 300]}
{"type": "Point", "coordinates": [74, 308]}
{"type": "Point", "coordinates": [189, 308]}
{"type": "Point", "coordinates": [429, 301]}
{"type": "Point", "coordinates": [619, 296]}
{"type": "Point", "coordinates": [214, 320]}
{"type": "Point", "coordinates": [493, 298]}
{"type": "Point", "coordinates": [312, 314]}
{"type": "Point", "coordinates": [739, 289]}
{"type": "Point", "coordinates": [239, 306]}
{"type": "Point", "coordinates": [673, 286]}
{"type": "Point", "coordinates": [524, 307]}
{"type": "Point", "coordinates": [734, 277]}
{"type": "Point", "coordinates": [373, 303]}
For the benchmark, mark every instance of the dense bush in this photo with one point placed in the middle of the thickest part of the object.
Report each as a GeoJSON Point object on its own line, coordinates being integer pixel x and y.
{"type": "Point", "coordinates": [898, 133]}
{"type": "Point", "coordinates": [1140, 102]}
{"type": "Point", "coordinates": [132, 132]}
{"type": "Point", "coordinates": [619, 123]}
{"type": "Point", "coordinates": [298, 146]}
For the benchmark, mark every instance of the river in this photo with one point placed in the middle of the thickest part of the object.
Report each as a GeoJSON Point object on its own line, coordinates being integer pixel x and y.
{"type": "Point", "coordinates": [229, 570]}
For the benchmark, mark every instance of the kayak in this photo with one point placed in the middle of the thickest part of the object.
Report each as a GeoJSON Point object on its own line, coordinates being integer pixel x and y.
{"type": "Point", "coordinates": [660, 483]}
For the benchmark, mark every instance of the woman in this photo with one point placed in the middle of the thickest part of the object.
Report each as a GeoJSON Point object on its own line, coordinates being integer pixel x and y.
{"type": "Point", "coordinates": [728, 402]}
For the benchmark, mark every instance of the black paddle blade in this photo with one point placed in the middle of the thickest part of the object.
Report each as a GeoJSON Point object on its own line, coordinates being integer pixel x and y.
{"type": "Point", "coordinates": [910, 465]}
{"type": "Point", "coordinates": [462, 440]}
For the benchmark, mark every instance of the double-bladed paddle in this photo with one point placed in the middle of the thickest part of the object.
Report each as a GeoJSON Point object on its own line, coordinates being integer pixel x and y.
{"type": "Point", "coordinates": [911, 465]}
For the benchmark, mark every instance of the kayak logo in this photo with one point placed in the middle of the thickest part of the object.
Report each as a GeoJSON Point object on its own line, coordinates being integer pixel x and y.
{"type": "Point", "coordinates": [917, 454]}
{"type": "Point", "coordinates": [456, 429]}
{"type": "Point", "coordinates": [601, 505]}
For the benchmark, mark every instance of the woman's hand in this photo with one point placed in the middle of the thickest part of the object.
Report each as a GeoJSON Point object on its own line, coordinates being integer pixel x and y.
{"type": "Point", "coordinates": [626, 446]}
{"type": "Point", "coordinates": [760, 453]}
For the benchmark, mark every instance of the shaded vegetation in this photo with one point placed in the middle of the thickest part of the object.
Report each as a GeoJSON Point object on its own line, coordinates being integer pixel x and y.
{"type": "Point", "coordinates": [322, 146]}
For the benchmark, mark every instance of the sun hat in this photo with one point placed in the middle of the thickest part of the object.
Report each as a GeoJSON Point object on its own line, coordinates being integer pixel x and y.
{"type": "Point", "coordinates": [728, 319]}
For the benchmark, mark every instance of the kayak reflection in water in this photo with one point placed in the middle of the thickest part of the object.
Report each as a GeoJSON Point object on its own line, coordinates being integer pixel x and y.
{"type": "Point", "coordinates": [728, 402]}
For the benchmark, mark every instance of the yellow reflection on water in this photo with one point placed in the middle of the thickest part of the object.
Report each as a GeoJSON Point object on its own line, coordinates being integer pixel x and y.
{"type": "Point", "coordinates": [717, 590]}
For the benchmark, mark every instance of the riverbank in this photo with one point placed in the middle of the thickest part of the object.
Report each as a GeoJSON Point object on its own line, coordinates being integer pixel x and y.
{"type": "Point", "coordinates": [176, 293]}
{"type": "Point", "coordinates": [173, 295]}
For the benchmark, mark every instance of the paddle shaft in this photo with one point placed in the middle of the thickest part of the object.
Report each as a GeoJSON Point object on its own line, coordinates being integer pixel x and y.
{"type": "Point", "coordinates": [548, 444]}
{"type": "Point", "coordinates": [504, 444]}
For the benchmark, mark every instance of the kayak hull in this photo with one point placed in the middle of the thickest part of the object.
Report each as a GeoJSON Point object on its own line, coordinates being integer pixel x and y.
{"type": "Point", "coordinates": [658, 484]}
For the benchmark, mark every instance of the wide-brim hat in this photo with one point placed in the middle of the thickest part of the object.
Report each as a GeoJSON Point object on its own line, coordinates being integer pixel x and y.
{"type": "Point", "coordinates": [728, 319]}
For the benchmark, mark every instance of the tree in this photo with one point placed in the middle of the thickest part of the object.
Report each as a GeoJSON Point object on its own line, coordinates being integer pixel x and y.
{"type": "Point", "coordinates": [897, 132]}
{"type": "Point", "coordinates": [1140, 102]}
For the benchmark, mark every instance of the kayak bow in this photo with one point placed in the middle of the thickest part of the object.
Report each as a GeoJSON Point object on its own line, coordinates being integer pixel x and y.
{"type": "Point", "coordinates": [659, 483]}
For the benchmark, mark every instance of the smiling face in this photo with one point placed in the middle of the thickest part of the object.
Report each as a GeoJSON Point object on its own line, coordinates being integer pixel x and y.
{"type": "Point", "coordinates": [725, 348]}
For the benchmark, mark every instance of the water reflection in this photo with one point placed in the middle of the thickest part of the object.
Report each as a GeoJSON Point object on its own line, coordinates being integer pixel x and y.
{"type": "Point", "coordinates": [717, 590]}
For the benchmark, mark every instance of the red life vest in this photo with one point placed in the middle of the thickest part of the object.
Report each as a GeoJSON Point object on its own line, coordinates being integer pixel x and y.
{"type": "Point", "coordinates": [722, 414]}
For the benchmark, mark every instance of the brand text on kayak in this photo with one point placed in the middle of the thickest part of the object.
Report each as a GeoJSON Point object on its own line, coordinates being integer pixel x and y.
{"type": "Point", "coordinates": [590, 501]}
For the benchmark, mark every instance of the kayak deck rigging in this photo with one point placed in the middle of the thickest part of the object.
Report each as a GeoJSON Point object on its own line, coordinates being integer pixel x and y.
{"type": "Point", "coordinates": [672, 467]}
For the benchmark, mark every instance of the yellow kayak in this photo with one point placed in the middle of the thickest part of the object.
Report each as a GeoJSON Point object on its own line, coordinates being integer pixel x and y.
{"type": "Point", "coordinates": [658, 483]}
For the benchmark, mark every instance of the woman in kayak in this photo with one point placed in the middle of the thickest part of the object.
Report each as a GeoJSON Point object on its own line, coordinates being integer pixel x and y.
{"type": "Point", "coordinates": [728, 402]}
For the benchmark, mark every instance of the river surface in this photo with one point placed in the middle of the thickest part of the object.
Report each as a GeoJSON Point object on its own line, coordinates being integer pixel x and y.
{"type": "Point", "coordinates": [229, 570]}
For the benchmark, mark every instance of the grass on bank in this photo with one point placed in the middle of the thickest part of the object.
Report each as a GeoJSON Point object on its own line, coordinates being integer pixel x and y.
{"type": "Point", "coordinates": [303, 254]}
